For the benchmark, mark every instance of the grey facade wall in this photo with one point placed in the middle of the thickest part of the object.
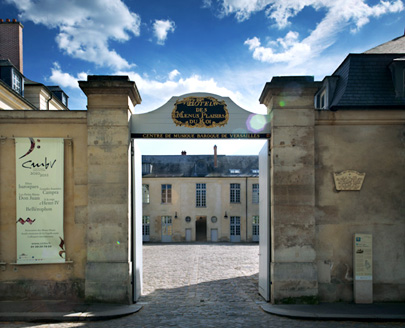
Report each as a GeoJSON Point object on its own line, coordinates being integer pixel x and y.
{"type": "Point", "coordinates": [371, 142]}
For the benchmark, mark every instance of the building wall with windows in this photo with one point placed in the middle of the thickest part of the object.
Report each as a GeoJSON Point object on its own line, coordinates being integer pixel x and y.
{"type": "Point", "coordinates": [16, 91]}
{"type": "Point", "coordinates": [219, 208]}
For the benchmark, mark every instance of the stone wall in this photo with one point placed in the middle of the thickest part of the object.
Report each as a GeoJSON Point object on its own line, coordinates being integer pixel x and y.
{"type": "Point", "coordinates": [312, 223]}
{"type": "Point", "coordinates": [97, 197]}
{"type": "Point", "coordinates": [109, 261]}
{"type": "Point", "coordinates": [55, 281]}
{"type": "Point", "coordinates": [370, 142]}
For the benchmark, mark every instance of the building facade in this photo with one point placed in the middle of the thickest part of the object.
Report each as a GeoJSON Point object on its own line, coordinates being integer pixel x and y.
{"type": "Point", "coordinates": [335, 169]}
{"type": "Point", "coordinates": [200, 198]}
{"type": "Point", "coordinates": [16, 91]}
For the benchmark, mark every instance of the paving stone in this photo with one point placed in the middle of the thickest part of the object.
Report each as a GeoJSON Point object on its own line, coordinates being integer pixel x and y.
{"type": "Point", "coordinates": [203, 285]}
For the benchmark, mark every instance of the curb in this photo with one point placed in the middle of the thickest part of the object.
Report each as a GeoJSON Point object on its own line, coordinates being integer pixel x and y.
{"type": "Point", "coordinates": [117, 312]}
{"type": "Point", "coordinates": [337, 313]}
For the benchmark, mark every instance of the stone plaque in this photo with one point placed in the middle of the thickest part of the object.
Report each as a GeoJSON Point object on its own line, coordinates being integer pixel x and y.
{"type": "Point", "coordinates": [200, 112]}
{"type": "Point", "coordinates": [349, 180]}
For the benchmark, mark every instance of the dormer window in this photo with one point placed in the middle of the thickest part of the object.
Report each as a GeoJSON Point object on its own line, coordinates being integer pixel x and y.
{"type": "Point", "coordinates": [64, 99]}
{"type": "Point", "coordinates": [324, 97]}
{"type": "Point", "coordinates": [146, 168]}
{"type": "Point", "coordinates": [16, 81]}
{"type": "Point", "coordinates": [320, 99]}
{"type": "Point", "coordinates": [12, 77]}
{"type": "Point", "coordinates": [397, 68]}
{"type": "Point", "coordinates": [403, 80]}
{"type": "Point", "coordinates": [60, 94]}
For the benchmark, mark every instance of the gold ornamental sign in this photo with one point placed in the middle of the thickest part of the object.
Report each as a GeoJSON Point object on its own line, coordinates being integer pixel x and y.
{"type": "Point", "coordinates": [200, 112]}
{"type": "Point", "coordinates": [348, 180]}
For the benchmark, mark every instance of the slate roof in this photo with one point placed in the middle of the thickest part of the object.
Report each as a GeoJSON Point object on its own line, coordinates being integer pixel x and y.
{"type": "Point", "coordinates": [201, 166]}
{"type": "Point", "coordinates": [365, 81]}
{"type": "Point", "coordinates": [396, 45]}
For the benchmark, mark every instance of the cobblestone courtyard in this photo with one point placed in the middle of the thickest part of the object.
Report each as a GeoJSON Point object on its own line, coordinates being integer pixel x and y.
{"type": "Point", "coordinates": [203, 285]}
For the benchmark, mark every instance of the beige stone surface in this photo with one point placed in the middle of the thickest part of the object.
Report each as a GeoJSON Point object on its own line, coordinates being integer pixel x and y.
{"type": "Point", "coordinates": [371, 142]}
{"type": "Point", "coordinates": [110, 103]}
{"type": "Point", "coordinates": [183, 202]}
{"type": "Point", "coordinates": [41, 280]}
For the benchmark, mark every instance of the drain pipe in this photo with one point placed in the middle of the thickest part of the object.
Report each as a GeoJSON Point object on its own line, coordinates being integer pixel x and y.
{"type": "Point", "coordinates": [246, 196]}
{"type": "Point", "coordinates": [48, 101]}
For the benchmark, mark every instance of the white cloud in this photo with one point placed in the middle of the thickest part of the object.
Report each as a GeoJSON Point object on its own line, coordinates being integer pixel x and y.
{"type": "Point", "coordinates": [243, 8]}
{"type": "Point", "coordinates": [153, 92]}
{"type": "Point", "coordinates": [156, 93]}
{"type": "Point", "coordinates": [253, 43]}
{"type": "Point", "coordinates": [65, 80]}
{"type": "Point", "coordinates": [292, 49]}
{"type": "Point", "coordinates": [340, 14]}
{"type": "Point", "coordinates": [161, 28]}
{"type": "Point", "coordinates": [207, 3]}
{"type": "Point", "coordinates": [173, 74]}
{"type": "Point", "coordinates": [85, 27]}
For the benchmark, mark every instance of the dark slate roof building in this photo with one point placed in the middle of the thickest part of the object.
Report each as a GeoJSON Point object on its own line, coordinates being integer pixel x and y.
{"type": "Point", "coordinates": [371, 80]}
{"type": "Point", "coordinates": [199, 166]}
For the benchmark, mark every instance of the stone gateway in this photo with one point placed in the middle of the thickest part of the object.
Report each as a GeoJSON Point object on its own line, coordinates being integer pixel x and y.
{"type": "Point", "coordinates": [322, 138]}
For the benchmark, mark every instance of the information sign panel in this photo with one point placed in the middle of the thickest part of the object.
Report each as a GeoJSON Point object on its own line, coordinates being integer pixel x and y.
{"type": "Point", "coordinates": [39, 196]}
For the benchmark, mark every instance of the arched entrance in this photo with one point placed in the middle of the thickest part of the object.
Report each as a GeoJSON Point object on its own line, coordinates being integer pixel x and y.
{"type": "Point", "coordinates": [200, 116]}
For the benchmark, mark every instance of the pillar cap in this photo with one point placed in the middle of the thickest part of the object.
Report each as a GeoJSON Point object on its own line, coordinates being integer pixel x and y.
{"type": "Point", "coordinates": [111, 84]}
{"type": "Point", "coordinates": [288, 85]}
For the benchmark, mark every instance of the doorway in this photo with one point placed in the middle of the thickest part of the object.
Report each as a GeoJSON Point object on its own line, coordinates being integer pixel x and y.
{"type": "Point", "coordinates": [167, 229]}
{"type": "Point", "coordinates": [214, 235]}
{"type": "Point", "coordinates": [201, 228]}
{"type": "Point", "coordinates": [193, 118]}
{"type": "Point", "coordinates": [235, 229]}
{"type": "Point", "coordinates": [188, 234]}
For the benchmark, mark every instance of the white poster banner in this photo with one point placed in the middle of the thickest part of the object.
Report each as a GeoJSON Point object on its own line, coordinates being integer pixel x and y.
{"type": "Point", "coordinates": [39, 194]}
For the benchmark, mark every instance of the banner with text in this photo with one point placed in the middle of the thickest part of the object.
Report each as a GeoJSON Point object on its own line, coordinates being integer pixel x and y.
{"type": "Point", "coordinates": [39, 193]}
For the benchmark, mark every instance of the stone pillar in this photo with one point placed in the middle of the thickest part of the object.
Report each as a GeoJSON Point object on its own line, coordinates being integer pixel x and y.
{"type": "Point", "coordinates": [110, 102]}
{"type": "Point", "coordinates": [290, 101]}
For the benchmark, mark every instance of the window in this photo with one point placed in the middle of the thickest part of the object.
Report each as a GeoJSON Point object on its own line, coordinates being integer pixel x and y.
{"type": "Point", "coordinates": [323, 100]}
{"type": "Point", "coordinates": [166, 193]}
{"type": "Point", "coordinates": [403, 84]}
{"type": "Point", "coordinates": [255, 193]}
{"type": "Point", "coordinates": [255, 228]}
{"type": "Point", "coordinates": [146, 168]}
{"type": "Point", "coordinates": [16, 83]}
{"type": "Point", "coordinates": [235, 228]}
{"type": "Point", "coordinates": [235, 225]}
{"type": "Point", "coordinates": [255, 171]}
{"type": "Point", "coordinates": [167, 229]}
{"type": "Point", "coordinates": [255, 225]}
{"type": "Point", "coordinates": [201, 195]}
{"type": "Point", "coordinates": [234, 171]}
{"type": "Point", "coordinates": [64, 99]}
{"type": "Point", "coordinates": [145, 194]}
{"type": "Point", "coordinates": [235, 192]}
{"type": "Point", "coordinates": [145, 227]}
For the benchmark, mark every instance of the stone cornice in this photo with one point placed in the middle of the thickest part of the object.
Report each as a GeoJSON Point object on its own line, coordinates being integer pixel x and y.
{"type": "Point", "coordinates": [360, 117]}
{"type": "Point", "coordinates": [105, 84]}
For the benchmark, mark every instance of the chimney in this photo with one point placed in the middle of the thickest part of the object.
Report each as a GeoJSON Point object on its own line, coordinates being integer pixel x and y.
{"type": "Point", "coordinates": [183, 153]}
{"type": "Point", "coordinates": [11, 42]}
{"type": "Point", "coordinates": [215, 157]}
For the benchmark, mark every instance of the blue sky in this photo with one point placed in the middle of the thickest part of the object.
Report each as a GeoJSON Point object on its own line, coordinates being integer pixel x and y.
{"type": "Point", "coordinates": [169, 48]}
